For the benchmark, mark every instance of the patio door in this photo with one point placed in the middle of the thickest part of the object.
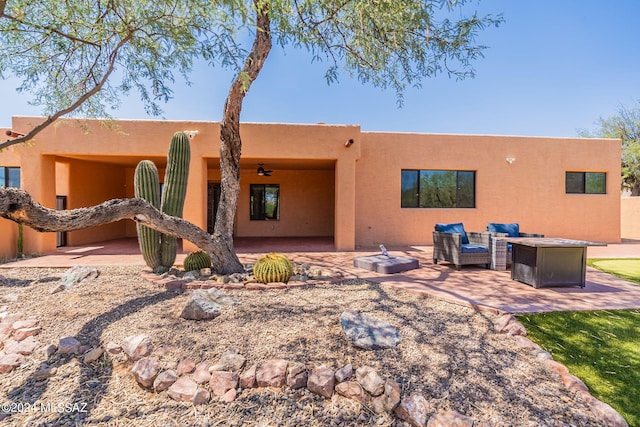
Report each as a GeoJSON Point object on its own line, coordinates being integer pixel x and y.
{"type": "Point", "coordinates": [61, 236]}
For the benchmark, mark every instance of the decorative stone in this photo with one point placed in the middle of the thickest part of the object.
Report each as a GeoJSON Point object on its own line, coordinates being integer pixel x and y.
{"type": "Point", "coordinates": [202, 374]}
{"type": "Point", "coordinates": [248, 379]}
{"type": "Point", "coordinates": [351, 390]}
{"type": "Point", "coordinates": [271, 373]}
{"type": "Point", "coordinates": [68, 345]}
{"type": "Point", "coordinates": [414, 410]}
{"type": "Point", "coordinates": [450, 419]}
{"type": "Point", "coordinates": [93, 355]}
{"type": "Point", "coordinates": [508, 324]}
{"type": "Point", "coordinates": [297, 376]}
{"type": "Point", "coordinates": [49, 350]}
{"type": "Point", "coordinates": [555, 367]}
{"type": "Point", "coordinates": [164, 380]}
{"type": "Point", "coordinates": [75, 275]}
{"type": "Point", "coordinates": [606, 414]}
{"type": "Point", "coordinates": [222, 381]}
{"type": "Point", "coordinates": [183, 390]}
{"type": "Point", "coordinates": [525, 343]}
{"type": "Point", "coordinates": [321, 381]}
{"type": "Point", "coordinates": [25, 347]}
{"type": "Point", "coordinates": [389, 400]}
{"type": "Point", "coordinates": [370, 380]}
{"type": "Point", "coordinates": [367, 332]}
{"type": "Point", "coordinates": [23, 324]}
{"type": "Point", "coordinates": [22, 333]}
{"type": "Point", "coordinates": [186, 366]}
{"type": "Point", "coordinates": [10, 361]}
{"type": "Point", "coordinates": [201, 397]}
{"type": "Point", "coordinates": [229, 361]}
{"type": "Point", "coordinates": [229, 396]}
{"type": "Point", "coordinates": [145, 370]}
{"type": "Point", "coordinates": [44, 372]}
{"type": "Point", "coordinates": [205, 304]}
{"type": "Point", "coordinates": [344, 373]}
{"type": "Point", "coordinates": [113, 348]}
{"type": "Point", "coordinates": [137, 346]}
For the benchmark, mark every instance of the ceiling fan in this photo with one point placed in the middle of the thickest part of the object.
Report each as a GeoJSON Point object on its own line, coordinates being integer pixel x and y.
{"type": "Point", "coordinates": [262, 172]}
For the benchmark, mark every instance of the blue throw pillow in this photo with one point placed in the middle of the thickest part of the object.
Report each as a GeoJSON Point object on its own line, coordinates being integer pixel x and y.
{"type": "Point", "coordinates": [457, 228]}
{"type": "Point", "coordinates": [512, 230]}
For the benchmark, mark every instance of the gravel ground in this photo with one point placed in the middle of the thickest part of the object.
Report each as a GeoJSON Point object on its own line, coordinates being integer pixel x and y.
{"type": "Point", "coordinates": [448, 353]}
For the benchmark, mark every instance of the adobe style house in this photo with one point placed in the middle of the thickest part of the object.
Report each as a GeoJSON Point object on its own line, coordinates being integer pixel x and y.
{"type": "Point", "coordinates": [360, 188]}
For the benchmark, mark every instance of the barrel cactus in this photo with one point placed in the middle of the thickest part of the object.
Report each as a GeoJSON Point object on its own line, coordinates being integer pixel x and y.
{"type": "Point", "coordinates": [159, 250]}
{"type": "Point", "coordinates": [197, 261]}
{"type": "Point", "coordinates": [273, 267]}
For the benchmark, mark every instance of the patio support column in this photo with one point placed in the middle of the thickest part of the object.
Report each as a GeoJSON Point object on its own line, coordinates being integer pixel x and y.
{"type": "Point", "coordinates": [38, 178]}
{"type": "Point", "coordinates": [195, 204]}
{"type": "Point", "coordinates": [345, 205]}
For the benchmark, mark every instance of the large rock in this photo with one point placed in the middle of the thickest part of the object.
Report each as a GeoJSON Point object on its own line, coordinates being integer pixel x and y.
{"type": "Point", "coordinates": [164, 380]}
{"type": "Point", "coordinates": [297, 376]}
{"type": "Point", "coordinates": [137, 346]}
{"type": "Point", "coordinates": [367, 332]}
{"type": "Point", "coordinates": [68, 345]}
{"type": "Point", "coordinates": [321, 381]}
{"type": "Point", "coordinates": [10, 361]}
{"type": "Point", "coordinates": [75, 275]}
{"type": "Point", "coordinates": [389, 400]}
{"type": "Point", "coordinates": [205, 304]}
{"type": "Point", "coordinates": [202, 374]}
{"type": "Point", "coordinates": [248, 378]}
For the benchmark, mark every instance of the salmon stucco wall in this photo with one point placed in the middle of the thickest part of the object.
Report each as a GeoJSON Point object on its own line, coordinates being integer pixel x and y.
{"type": "Point", "coordinates": [530, 190]}
{"type": "Point", "coordinates": [9, 240]}
{"type": "Point", "coordinates": [92, 183]}
{"type": "Point", "coordinates": [306, 204]}
{"type": "Point", "coordinates": [630, 227]}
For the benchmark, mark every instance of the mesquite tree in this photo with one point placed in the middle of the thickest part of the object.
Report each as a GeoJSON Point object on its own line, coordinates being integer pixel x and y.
{"type": "Point", "coordinates": [66, 54]}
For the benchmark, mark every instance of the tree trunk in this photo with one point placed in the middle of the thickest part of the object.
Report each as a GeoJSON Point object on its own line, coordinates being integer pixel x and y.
{"type": "Point", "coordinates": [230, 141]}
{"type": "Point", "coordinates": [17, 205]}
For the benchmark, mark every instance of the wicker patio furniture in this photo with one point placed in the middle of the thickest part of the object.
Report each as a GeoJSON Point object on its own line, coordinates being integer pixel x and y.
{"type": "Point", "coordinates": [508, 230]}
{"type": "Point", "coordinates": [451, 243]}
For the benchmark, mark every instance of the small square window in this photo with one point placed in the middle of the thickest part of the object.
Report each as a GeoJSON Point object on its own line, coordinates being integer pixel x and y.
{"type": "Point", "coordinates": [264, 202]}
{"type": "Point", "coordinates": [586, 183]}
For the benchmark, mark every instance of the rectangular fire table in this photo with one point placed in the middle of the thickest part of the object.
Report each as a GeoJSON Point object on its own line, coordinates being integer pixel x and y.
{"type": "Point", "coordinates": [545, 262]}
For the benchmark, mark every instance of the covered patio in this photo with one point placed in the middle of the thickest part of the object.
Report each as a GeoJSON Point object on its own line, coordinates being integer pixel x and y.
{"type": "Point", "coordinates": [472, 286]}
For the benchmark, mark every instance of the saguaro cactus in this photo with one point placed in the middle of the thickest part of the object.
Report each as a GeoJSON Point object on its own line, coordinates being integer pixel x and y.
{"type": "Point", "coordinates": [175, 190]}
{"type": "Point", "coordinates": [159, 250]}
{"type": "Point", "coordinates": [147, 187]}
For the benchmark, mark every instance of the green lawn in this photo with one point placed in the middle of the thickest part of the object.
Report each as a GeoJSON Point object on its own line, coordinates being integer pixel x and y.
{"type": "Point", "coordinates": [600, 347]}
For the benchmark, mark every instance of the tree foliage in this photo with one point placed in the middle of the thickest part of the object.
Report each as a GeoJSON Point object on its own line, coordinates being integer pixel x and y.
{"type": "Point", "coordinates": [625, 124]}
{"type": "Point", "coordinates": [78, 57]}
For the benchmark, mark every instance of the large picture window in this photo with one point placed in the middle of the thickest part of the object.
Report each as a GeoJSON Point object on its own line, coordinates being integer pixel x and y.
{"type": "Point", "coordinates": [438, 189]}
{"type": "Point", "coordinates": [265, 202]}
{"type": "Point", "coordinates": [9, 177]}
{"type": "Point", "coordinates": [586, 183]}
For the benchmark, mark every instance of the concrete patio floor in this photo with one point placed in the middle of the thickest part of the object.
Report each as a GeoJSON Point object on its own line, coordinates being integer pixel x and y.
{"type": "Point", "coordinates": [472, 286]}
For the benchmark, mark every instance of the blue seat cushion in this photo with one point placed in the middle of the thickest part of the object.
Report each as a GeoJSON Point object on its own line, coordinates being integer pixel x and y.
{"type": "Point", "coordinates": [456, 228]}
{"type": "Point", "coordinates": [512, 230]}
{"type": "Point", "coordinates": [471, 248]}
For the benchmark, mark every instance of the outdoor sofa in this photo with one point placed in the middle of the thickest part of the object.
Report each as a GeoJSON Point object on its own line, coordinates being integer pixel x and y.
{"type": "Point", "coordinates": [452, 243]}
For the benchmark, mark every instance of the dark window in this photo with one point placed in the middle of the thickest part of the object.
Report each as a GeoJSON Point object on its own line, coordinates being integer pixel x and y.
{"type": "Point", "coordinates": [438, 189]}
{"type": "Point", "coordinates": [586, 183]}
{"type": "Point", "coordinates": [9, 177]}
{"type": "Point", "coordinates": [265, 202]}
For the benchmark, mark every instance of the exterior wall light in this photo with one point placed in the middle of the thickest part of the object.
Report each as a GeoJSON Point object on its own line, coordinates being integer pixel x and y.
{"type": "Point", "coordinates": [349, 143]}
{"type": "Point", "coordinates": [191, 133]}
{"type": "Point", "coordinates": [510, 160]}
{"type": "Point", "coordinates": [14, 134]}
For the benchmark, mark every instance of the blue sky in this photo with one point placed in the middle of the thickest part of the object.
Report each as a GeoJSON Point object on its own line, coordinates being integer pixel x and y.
{"type": "Point", "coordinates": [553, 67]}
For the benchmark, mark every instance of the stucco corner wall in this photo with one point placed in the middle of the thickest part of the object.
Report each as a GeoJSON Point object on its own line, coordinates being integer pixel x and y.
{"type": "Point", "coordinates": [630, 217]}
